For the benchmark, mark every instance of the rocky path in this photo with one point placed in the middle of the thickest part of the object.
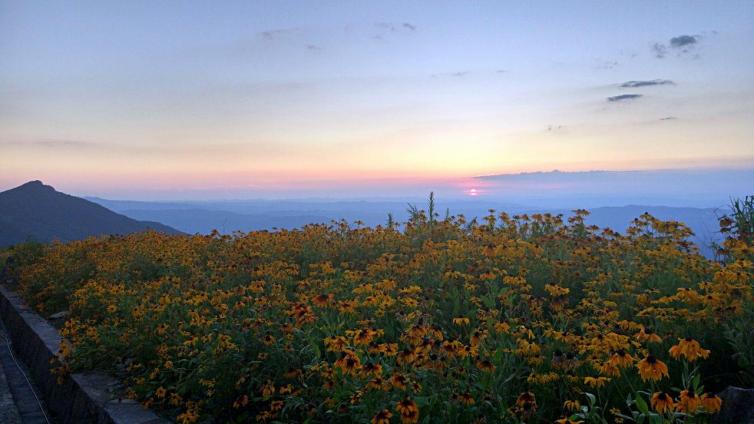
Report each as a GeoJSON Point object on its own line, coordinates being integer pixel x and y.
{"type": "Point", "coordinates": [18, 403]}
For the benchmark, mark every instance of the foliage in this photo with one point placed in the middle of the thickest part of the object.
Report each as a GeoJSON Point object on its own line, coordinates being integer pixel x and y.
{"type": "Point", "coordinates": [739, 226]}
{"type": "Point", "coordinates": [513, 319]}
{"type": "Point", "coordinates": [20, 256]}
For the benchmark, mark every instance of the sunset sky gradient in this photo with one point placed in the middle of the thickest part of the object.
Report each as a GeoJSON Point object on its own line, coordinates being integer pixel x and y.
{"type": "Point", "coordinates": [124, 98]}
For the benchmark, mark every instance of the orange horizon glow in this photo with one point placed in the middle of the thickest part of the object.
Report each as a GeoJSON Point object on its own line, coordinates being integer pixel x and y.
{"type": "Point", "coordinates": [332, 181]}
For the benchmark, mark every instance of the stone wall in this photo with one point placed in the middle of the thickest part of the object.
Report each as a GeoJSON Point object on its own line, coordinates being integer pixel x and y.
{"type": "Point", "coordinates": [83, 397]}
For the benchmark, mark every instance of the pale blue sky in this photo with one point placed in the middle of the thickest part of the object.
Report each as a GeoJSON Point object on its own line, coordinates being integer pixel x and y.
{"type": "Point", "coordinates": [276, 95]}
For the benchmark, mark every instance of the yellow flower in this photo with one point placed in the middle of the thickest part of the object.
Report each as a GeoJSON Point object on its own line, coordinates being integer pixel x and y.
{"type": "Point", "coordinates": [409, 411]}
{"type": "Point", "coordinates": [465, 398]}
{"type": "Point", "coordinates": [621, 359]}
{"type": "Point", "coordinates": [689, 349]}
{"type": "Point", "coordinates": [241, 402]}
{"type": "Point", "coordinates": [526, 404]}
{"type": "Point", "coordinates": [175, 399]}
{"type": "Point", "coordinates": [572, 405]}
{"type": "Point", "coordinates": [555, 290]}
{"type": "Point", "coordinates": [348, 363]}
{"type": "Point", "coordinates": [461, 321]}
{"type": "Point", "coordinates": [322, 300]}
{"type": "Point", "coordinates": [689, 402]}
{"type": "Point", "coordinates": [372, 369]}
{"type": "Point", "coordinates": [398, 381]}
{"type": "Point", "coordinates": [336, 344]}
{"type": "Point", "coordinates": [188, 417]}
{"type": "Point", "coordinates": [276, 405]}
{"type": "Point", "coordinates": [268, 390]}
{"type": "Point", "coordinates": [485, 365]}
{"type": "Point", "coordinates": [502, 327]}
{"type": "Point", "coordinates": [609, 370]}
{"type": "Point", "coordinates": [160, 392]}
{"type": "Point", "coordinates": [651, 368]}
{"type": "Point", "coordinates": [268, 339]}
{"type": "Point", "coordinates": [596, 382]}
{"type": "Point", "coordinates": [648, 335]}
{"type": "Point", "coordinates": [382, 417]}
{"type": "Point", "coordinates": [711, 403]}
{"type": "Point", "coordinates": [406, 357]}
{"type": "Point", "coordinates": [566, 420]}
{"type": "Point", "coordinates": [662, 402]}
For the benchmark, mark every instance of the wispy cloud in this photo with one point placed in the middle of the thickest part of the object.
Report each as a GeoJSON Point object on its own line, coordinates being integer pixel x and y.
{"type": "Point", "coordinates": [49, 144]}
{"type": "Point", "coordinates": [385, 29]}
{"type": "Point", "coordinates": [623, 97]}
{"type": "Point", "coordinates": [396, 26]}
{"type": "Point", "coordinates": [296, 36]}
{"type": "Point", "coordinates": [556, 129]}
{"type": "Point", "coordinates": [458, 74]}
{"type": "Point", "coordinates": [409, 26]}
{"type": "Point", "coordinates": [646, 83]}
{"type": "Point", "coordinates": [683, 41]}
{"type": "Point", "coordinates": [275, 34]}
{"type": "Point", "coordinates": [660, 50]}
{"type": "Point", "coordinates": [680, 45]}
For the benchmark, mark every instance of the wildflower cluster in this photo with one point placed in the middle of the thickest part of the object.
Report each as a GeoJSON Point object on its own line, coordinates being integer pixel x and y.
{"type": "Point", "coordinates": [514, 319]}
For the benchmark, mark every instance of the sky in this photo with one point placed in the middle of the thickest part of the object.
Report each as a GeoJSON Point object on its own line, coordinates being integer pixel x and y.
{"type": "Point", "coordinates": [268, 98]}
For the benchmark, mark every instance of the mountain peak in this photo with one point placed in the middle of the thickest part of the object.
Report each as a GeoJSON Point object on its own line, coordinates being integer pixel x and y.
{"type": "Point", "coordinates": [35, 185]}
{"type": "Point", "coordinates": [35, 211]}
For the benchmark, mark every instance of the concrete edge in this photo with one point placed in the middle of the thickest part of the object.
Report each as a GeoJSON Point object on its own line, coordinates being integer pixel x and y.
{"type": "Point", "coordinates": [82, 398]}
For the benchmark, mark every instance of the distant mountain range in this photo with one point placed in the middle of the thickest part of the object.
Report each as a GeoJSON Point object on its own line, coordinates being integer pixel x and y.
{"type": "Point", "coordinates": [34, 211]}
{"type": "Point", "coordinates": [248, 215]}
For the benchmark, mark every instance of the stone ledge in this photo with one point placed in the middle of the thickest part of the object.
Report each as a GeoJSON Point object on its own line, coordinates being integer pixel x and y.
{"type": "Point", "coordinates": [83, 398]}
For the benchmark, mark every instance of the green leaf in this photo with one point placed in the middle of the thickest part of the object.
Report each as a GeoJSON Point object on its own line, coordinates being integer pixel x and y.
{"type": "Point", "coordinates": [642, 405]}
{"type": "Point", "coordinates": [592, 398]}
{"type": "Point", "coordinates": [695, 381]}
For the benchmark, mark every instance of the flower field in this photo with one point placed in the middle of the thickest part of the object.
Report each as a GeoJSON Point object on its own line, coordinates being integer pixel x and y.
{"type": "Point", "coordinates": [509, 319]}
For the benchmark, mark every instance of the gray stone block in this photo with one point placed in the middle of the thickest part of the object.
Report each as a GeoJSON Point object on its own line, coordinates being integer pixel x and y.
{"type": "Point", "coordinates": [738, 406]}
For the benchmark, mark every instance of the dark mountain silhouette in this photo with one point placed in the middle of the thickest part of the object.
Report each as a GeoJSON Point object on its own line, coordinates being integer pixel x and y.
{"type": "Point", "coordinates": [34, 211]}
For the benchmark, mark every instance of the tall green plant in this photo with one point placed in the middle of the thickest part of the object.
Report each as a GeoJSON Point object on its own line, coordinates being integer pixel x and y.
{"type": "Point", "coordinates": [742, 217]}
